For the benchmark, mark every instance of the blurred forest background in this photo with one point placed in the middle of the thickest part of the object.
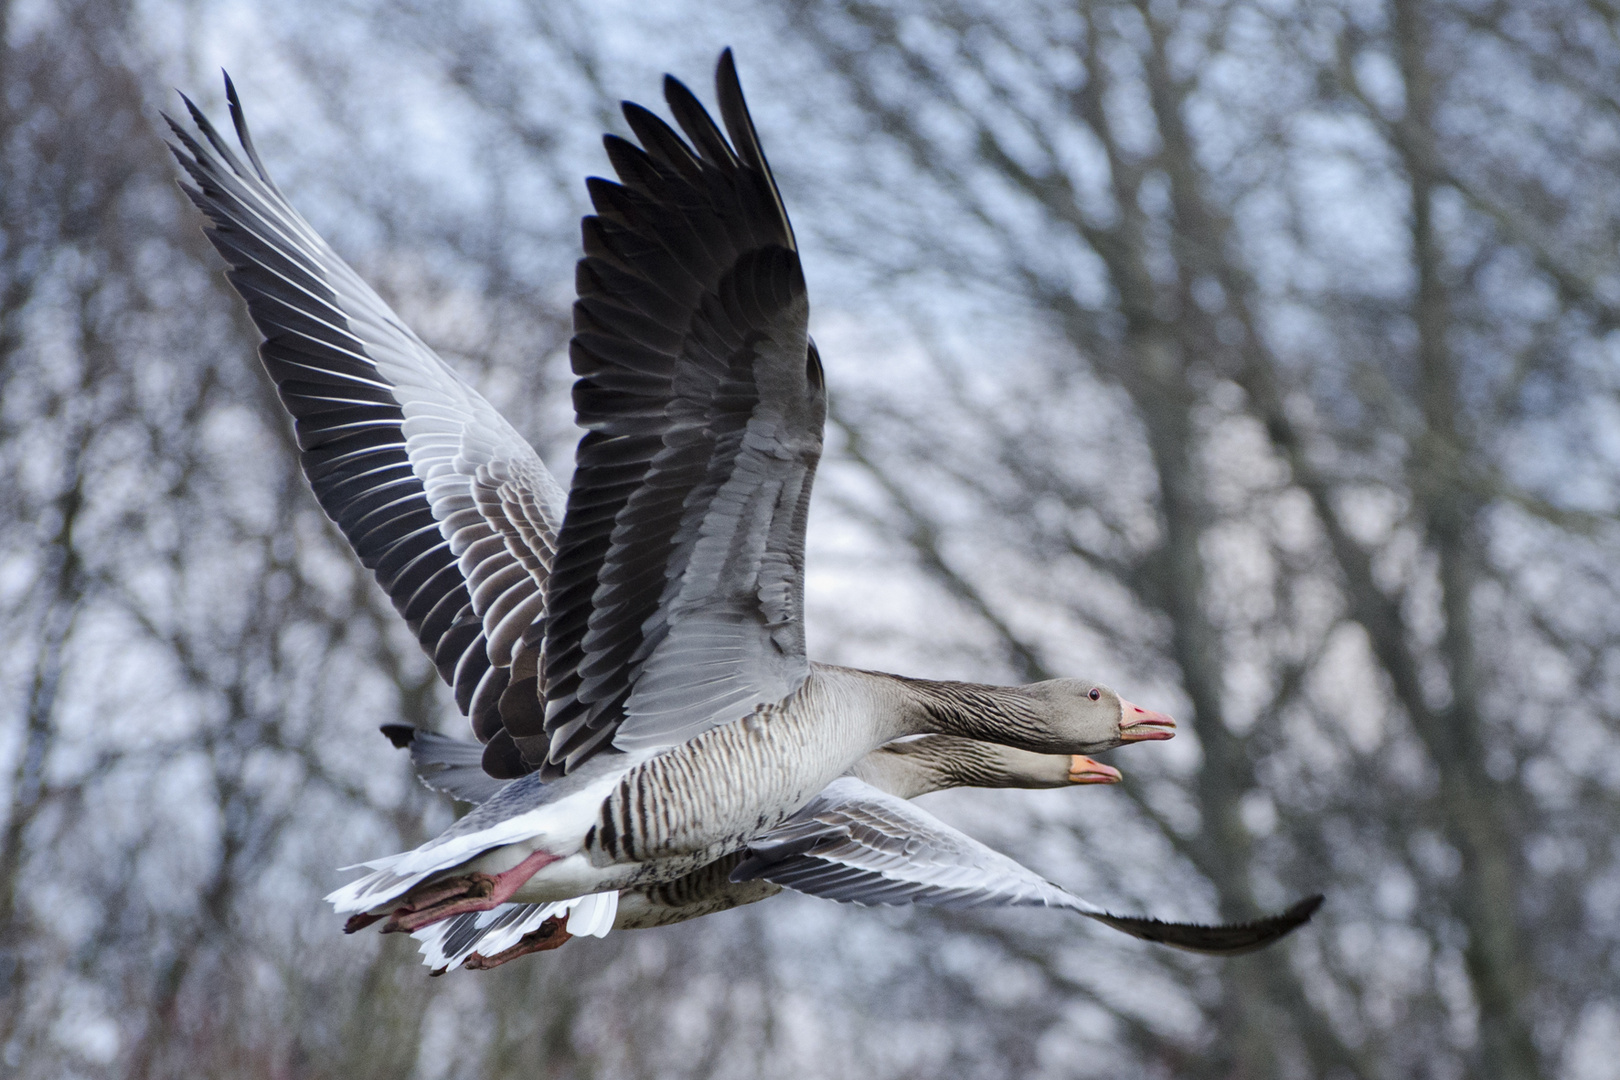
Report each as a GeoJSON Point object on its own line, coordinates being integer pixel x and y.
{"type": "Point", "coordinates": [1257, 357]}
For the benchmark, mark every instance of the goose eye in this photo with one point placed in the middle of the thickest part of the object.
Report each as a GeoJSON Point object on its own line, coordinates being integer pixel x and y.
{"type": "Point", "coordinates": [1095, 694]}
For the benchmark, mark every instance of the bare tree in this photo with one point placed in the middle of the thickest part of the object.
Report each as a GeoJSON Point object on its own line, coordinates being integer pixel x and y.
{"type": "Point", "coordinates": [170, 641]}
{"type": "Point", "coordinates": [1253, 357]}
{"type": "Point", "coordinates": [1138, 179]}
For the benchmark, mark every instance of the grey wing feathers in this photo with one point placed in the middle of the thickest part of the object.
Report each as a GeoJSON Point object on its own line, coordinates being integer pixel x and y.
{"type": "Point", "coordinates": [677, 589]}
{"type": "Point", "coordinates": [453, 767]}
{"type": "Point", "coordinates": [857, 844]}
{"type": "Point", "coordinates": [447, 505]}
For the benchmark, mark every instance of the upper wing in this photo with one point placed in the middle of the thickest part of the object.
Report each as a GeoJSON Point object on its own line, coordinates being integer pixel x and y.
{"type": "Point", "coordinates": [855, 843]}
{"type": "Point", "coordinates": [448, 506]}
{"type": "Point", "coordinates": [677, 593]}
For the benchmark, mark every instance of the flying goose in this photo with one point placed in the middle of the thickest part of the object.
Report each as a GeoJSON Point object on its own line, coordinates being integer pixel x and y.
{"type": "Point", "coordinates": [633, 659]}
{"type": "Point", "coordinates": [905, 769]}
{"type": "Point", "coordinates": [850, 843]}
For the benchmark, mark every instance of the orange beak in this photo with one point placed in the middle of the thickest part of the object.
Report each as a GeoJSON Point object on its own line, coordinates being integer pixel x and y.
{"type": "Point", "coordinates": [1082, 770]}
{"type": "Point", "coordinates": [1137, 724]}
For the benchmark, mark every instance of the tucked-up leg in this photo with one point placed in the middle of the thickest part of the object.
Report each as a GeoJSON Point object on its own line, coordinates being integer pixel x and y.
{"type": "Point", "coordinates": [551, 934]}
{"type": "Point", "coordinates": [359, 922]}
{"type": "Point", "coordinates": [470, 892]}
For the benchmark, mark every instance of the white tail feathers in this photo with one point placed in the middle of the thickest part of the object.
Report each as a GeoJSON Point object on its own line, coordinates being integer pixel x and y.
{"type": "Point", "coordinates": [395, 875]}
{"type": "Point", "coordinates": [594, 915]}
{"type": "Point", "coordinates": [448, 944]}
{"type": "Point", "coordinates": [374, 890]}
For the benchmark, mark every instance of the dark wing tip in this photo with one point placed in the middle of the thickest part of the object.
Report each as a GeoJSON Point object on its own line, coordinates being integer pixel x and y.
{"type": "Point", "coordinates": [661, 143]}
{"type": "Point", "coordinates": [401, 735]}
{"type": "Point", "coordinates": [243, 136]}
{"type": "Point", "coordinates": [745, 137]}
{"type": "Point", "coordinates": [191, 107]}
{"type": "Point", "coordinates": [210, 133]}
{"type": "Point", "coordinates": [698, 125]}
{"type": "Point", "coordinates": [234, 103]}
{"type": "Point", "coordinates": [1232, 939]}
{"type": "Point", "coordinates": [673, 87]}
{"type": "Point", "coordinates": [734, 107]}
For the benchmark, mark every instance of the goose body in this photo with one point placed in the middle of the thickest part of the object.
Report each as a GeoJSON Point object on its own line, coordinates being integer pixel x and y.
{"type": "Point", "coordinates": [627, 820]}
{"type": "Point", "coordinates": [632, 658]}
{"type": "Point", "coordinates": [857, 841]}
{"type": "Point", "coordinates": [902, 769]}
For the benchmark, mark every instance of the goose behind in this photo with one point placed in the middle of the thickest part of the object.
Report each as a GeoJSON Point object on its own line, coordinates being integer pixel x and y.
{"type": "Point", "coordinates": [482, 940]}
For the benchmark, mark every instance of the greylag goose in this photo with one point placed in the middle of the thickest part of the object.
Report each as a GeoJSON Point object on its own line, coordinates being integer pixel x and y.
{"type": "Point", "coordinates": [905, 769]}
{"type": "Point", "coordinates": [849, 843]}
{"type": "Point", "coordinates": [634, 659]}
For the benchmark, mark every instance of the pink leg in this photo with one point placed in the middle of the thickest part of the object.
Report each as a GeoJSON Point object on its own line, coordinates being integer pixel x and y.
{"type": "Point", "coordinates": [474, 892]}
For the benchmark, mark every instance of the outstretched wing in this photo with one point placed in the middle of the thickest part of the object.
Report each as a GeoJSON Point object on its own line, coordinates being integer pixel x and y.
{"type": "Point", "coordinates": [441, 499]}
{"type": "Point", "coordinates": [677, 592]}
{"type": "Point", "coordinates": [857, 844]}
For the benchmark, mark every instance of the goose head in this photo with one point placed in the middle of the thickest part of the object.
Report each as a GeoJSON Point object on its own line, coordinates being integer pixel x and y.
{"type": "Point", "coordinates": [1085, 717]}
{"type": "Point", "coordinates": [1011, 767]}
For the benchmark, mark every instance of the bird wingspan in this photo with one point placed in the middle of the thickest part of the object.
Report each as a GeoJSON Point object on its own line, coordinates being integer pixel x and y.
{"type": "Point", "coordinates": [677, 591]}
{"type": "Point", "coordinates": [441, 499]}
{"type": "Point", "coordinates": [857, 844]}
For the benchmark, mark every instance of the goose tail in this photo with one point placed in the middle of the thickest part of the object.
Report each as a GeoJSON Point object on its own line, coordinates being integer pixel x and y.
{"type": "Point", "coordinates": [449, 944]}
{"type": "Point", "coordinates": [392, 876]}
{"type": "Point", "coordinates": [375, 889]}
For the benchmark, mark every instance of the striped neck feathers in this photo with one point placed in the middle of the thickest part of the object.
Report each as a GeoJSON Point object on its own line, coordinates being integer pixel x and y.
{"type": "Point", "coordinates": [927, 763]}
{"type": "Point", "coordinates": [1060, 716]}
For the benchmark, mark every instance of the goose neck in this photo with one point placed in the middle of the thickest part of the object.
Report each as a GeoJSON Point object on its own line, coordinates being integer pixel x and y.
{"type": "Point", "coordinates": [930, 763]}
{"type": "Point", "coordinates": [996, 714]}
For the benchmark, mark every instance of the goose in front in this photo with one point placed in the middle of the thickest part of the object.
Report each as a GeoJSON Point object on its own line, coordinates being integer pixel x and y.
{"type": "Point", "coordinates": [632, 658]}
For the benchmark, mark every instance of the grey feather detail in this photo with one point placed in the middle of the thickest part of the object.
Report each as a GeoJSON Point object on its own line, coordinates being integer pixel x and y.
{"type": "Point", "coordinates": [856, 844]}
{"type": "Point", "coordinates": [677, 597]}
{"type": "Point", "coordinates": [733, 634]}
{"type": "Point", "coordinates": [454, 767]}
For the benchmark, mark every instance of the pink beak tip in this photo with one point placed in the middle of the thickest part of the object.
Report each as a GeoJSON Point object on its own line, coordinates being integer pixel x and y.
{"type": "Point", "coordinates": [1144, 725]}
{"type": "Point", "coordinates": [1083, 770]}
